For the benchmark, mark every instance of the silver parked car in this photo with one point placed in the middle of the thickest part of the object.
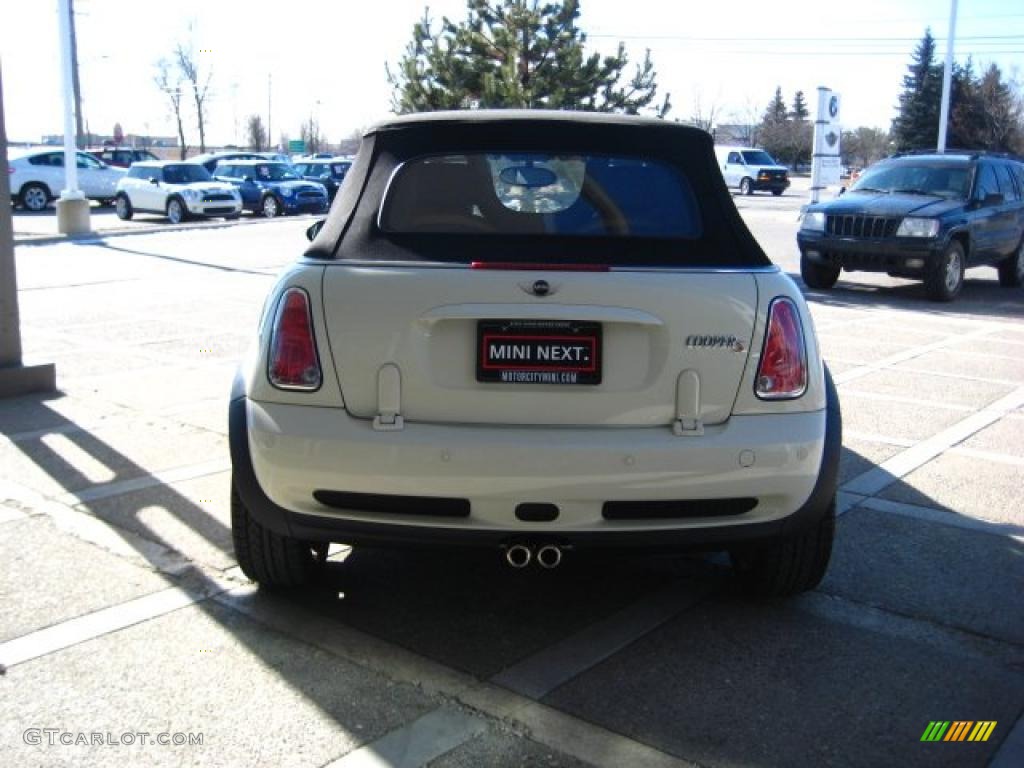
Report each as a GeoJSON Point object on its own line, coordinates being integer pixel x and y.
{"type": "Point", "coordinates": [37, 177]}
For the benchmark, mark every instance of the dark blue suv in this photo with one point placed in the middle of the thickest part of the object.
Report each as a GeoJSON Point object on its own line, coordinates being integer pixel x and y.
{"type": "Point", "coordinates": [272, 188]}
{"type": "Point", "coordinates": [926, 216]}
{"type": "Point", "coordinates": [330, 172]}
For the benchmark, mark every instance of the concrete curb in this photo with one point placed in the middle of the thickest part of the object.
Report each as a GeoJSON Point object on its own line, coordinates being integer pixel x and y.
{"type": "Point", "coordinates": [47, 239]}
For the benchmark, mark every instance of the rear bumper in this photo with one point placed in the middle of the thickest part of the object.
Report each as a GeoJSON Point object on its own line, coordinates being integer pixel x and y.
{"type": "Point", "coordinates": [904, 256]}
{"type": "Point", "coordinates": [282, 454]}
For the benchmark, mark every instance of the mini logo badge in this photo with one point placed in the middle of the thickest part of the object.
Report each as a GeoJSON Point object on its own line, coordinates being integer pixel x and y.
{"type": "Point", "coordinates": [541, 288]}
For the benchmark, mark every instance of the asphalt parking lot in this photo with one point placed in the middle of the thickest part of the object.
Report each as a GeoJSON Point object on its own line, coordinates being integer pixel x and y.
{"type": "Point", "coordinates": [125, 617]}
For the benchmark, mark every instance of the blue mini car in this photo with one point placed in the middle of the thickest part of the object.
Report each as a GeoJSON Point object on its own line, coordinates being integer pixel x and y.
{"type": "Point", "coordinates": [272, 189]}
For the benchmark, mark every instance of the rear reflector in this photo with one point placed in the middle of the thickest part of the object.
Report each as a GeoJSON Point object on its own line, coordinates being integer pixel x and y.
{"type": "Point", "coordinates": [293, 361]}
{"type": "Point", "coordinates": [782, 371]}
{"type": "Point", "coordinates": [530, 267]}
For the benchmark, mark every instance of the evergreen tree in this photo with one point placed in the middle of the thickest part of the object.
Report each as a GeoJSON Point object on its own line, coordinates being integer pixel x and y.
{"type": "Point", "coordinates": [776, 113]}
{"type": "Point", "coordinates": [917, 124]}
{"type": "Point", "coordinates": [517, 53]}
{"type": "Point", "coordinates": [800, 111]}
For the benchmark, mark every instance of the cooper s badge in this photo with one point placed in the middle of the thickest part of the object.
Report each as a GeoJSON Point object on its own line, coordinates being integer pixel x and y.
{"type": "Point", "coordinates": [708, 341]}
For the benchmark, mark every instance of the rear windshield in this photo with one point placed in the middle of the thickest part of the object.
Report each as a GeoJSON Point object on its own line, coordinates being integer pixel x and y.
{"type": "Point", "coordinates": [519, 193]}
{"type": "Point", "coordinates": [916, 178]}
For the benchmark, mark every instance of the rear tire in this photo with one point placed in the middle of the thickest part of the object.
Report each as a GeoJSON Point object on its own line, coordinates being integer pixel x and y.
{"type": "Point", "coordinates": [820, 277]}
{"type": "Point", "coordinates": [267, 557]}
{"type": "Point", "coordinates": [34, 197]}
{"type": "Point", "coordinates": [789, 565]}
{"type": "Point", "coordinates": [746, 187]}
{"type": "Point", "coordinates": [123, 207]}
{"type": "Point", "coordinates": [944, 277]}
{"type": "Point", "coordinates": [1011, 269]}
{"type": "Point", "coordinates": [776, 192]}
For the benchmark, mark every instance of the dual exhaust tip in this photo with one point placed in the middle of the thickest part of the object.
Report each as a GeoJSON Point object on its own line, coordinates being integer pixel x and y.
{"type": "Point", "coordinates": [548, 556]}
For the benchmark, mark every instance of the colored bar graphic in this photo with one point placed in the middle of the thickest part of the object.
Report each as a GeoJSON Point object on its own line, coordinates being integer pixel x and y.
{"type": "Point", "coordinates": [958, 730]}
{"type": "Point", "coordinates": [982, 730]}
{"type": "Point", "coordinates": [935, 730]}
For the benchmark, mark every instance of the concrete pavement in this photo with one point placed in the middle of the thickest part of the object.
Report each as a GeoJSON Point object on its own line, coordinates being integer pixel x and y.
{"type": "Point", "coordinates": [125, 613]}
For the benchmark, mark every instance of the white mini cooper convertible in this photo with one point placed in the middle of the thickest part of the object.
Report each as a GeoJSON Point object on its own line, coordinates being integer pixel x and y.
{"type": "Point", "coordinates": [536, 332]}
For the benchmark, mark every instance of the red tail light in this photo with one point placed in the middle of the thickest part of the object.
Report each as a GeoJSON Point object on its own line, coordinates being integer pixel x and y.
{"type": "Point", "coordinates": [293, 360]}
{"type": "Point", "coordinates": [782, 371]}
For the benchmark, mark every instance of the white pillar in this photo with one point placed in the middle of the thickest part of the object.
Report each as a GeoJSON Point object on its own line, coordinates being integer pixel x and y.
{"type": "Point", "coordinates": [817, 142]}
{"type": "Point", "coordinates": [16, 378]}
{"type": "Point", "coordinates": [947, 74]}
{"type": "Point", "coordinates": [72, 207]}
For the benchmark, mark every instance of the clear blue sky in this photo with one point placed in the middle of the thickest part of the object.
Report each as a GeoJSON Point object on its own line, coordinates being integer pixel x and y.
{"type": "Point", "coordinates": [327, 57]}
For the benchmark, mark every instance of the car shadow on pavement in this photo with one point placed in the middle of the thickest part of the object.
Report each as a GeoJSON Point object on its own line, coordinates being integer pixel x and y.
{"type": "Point", "coordinates": [471, 612]}
{"type": "Point", "coordinates": [177, 259]}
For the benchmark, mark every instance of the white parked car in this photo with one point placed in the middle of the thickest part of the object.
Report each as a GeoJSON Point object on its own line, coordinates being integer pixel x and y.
{"type": "Point", "coordinates": [176, 190]}
{"type": "Point", "coordinates": [534, 332]}
{"type": "Point", "coordinates": [37, 177]}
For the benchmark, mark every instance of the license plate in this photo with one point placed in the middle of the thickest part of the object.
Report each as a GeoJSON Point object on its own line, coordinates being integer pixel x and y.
{"type": "Point", "coordinates": [538, 352]}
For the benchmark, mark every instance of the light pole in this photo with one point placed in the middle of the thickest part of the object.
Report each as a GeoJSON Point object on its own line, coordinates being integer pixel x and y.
{"type": "Point", "coordinates": [15, 377]}
{"type": "Point", "coordinates": [947, 74]}
{"type": "Point", "coordinates": [72, 206]}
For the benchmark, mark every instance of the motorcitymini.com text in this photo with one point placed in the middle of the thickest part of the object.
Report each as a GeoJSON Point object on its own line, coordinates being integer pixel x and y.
{"type": "Point", "coordinates": [52, 737]}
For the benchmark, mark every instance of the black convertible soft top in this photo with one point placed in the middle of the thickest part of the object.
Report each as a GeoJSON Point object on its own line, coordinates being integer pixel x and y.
{"type": "Point", "coordinates": [351, 230]}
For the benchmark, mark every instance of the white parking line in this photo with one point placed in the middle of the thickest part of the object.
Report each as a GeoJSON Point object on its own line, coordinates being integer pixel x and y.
{"type": "Point", "coordinates": [163, 477]}
{"type": "Point", "coordinates": [888, 472]}
{"type": "Point", "coordinates": [910, 354]}
{"type": "Point", "coordinates": [945, 517]}
{"type": "Point", "coordinates": [102, 622]}
{"type": "Point", "coordinates": [555, 729]}
{"type": "Point", "coordinates": [925, 371]}
{"type": "Point", "coordinates": [905, 400]}
{"type": "Point", "coordinates": [416, 743]}
{"type": "Point", "coordinates": [538, 675]}
{"type": "Point", "coordinates": [873, 437]}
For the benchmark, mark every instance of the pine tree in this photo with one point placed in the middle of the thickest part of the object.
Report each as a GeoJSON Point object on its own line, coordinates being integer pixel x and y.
{"type": "Point", "coordinates": [776, 113]}
{"type": "Point", "coordinates": [800, 111]}
{"type": "Point", "coordinates": [517, 53]}
{"type": "Point", "coordinates": [917, 124]}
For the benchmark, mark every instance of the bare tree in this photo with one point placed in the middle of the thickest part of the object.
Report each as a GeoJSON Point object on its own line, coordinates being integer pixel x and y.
{"type": "Point", "coordinates": [200, 83]}
{"type": "Point", "coordinates": [309, 132]}
{"type": "Point", "coordinates": [702, 117]}
{"type": "Point", "coordinates": [171, 84]}
{"type": "Point", "coordinates": [257, 134]}
{"type": "Point", "coordinates": [747, 121]}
